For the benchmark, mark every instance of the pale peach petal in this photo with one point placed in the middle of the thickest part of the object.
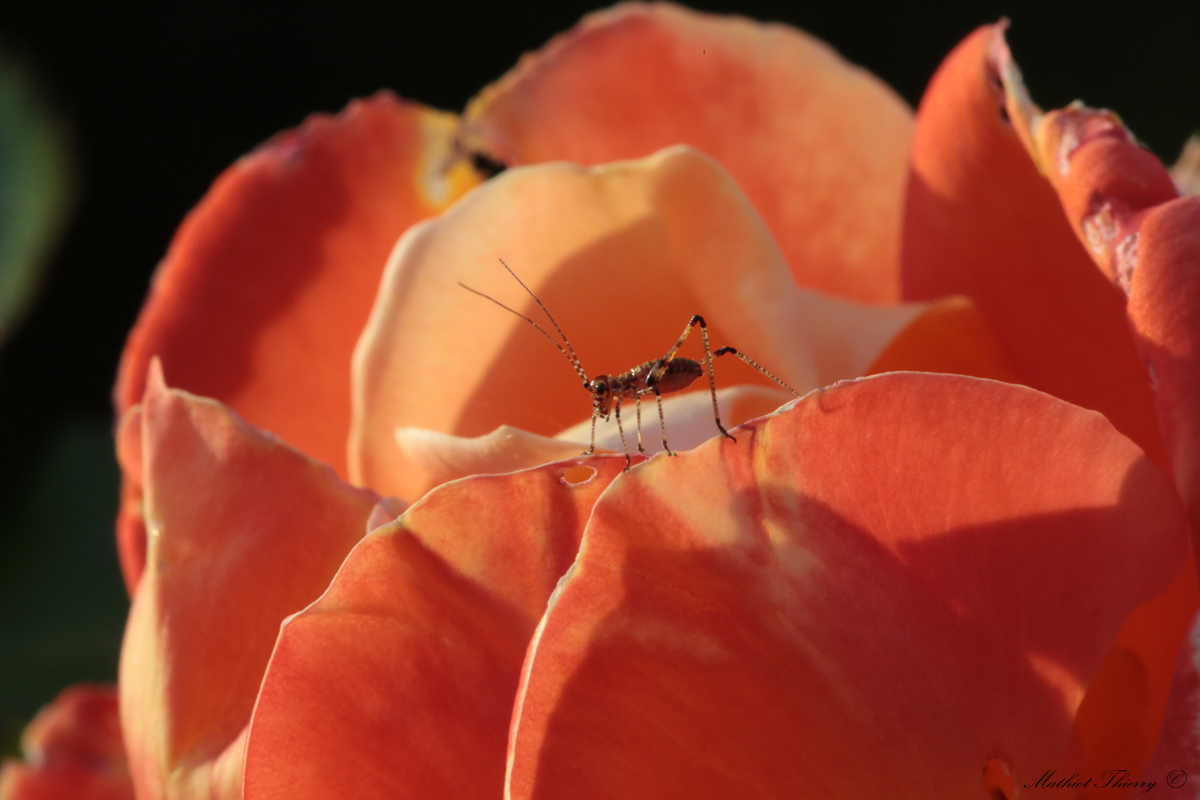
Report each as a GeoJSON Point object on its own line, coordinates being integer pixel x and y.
{"type": "Point", "coordinates": [689, 419]}
{"type": "Point", "coordinates": [446, 457]}
{"type": "Point", "coordinates": [1186, 171]}
{"type": "Point", "coordinates": [623, 255]}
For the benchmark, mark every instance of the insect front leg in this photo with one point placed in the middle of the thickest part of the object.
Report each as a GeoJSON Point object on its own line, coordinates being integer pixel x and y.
{"type": "Point", "coordinates": [625, 447]}
{"type": "Point", "coordinates": [592, 449]}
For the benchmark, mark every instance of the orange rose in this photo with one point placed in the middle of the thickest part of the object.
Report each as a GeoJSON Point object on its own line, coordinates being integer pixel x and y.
{"type": "Point", "coordinates": [915, 584]}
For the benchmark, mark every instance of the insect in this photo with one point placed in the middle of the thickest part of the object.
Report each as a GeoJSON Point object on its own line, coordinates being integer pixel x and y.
{"type": "Point", "coordinates": [670, 373]}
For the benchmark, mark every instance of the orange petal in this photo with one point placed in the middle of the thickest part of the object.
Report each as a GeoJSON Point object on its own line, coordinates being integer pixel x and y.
{"type": "Point", "coordinates": [399, 681]}
{"type": "Point", "coordinates": [865, 573]}
{"type": "Point", "coordinates": [269, 281]}
{"type": "Point", "coordinates": [1164, 312]}
{"type": "Point", "coordinates": [622, 255]}
{"type": "Point", "coordinates": [1102, 177]}
{"type": "Point", "coordinates": [952, 336]}
{"type": "Point", "coordinates": [73, 751]}
{"type": "Point", "coordinates": [819, 146]}
{"type": "Point", "coordinates": [244, 531]}
{"type": "Point", "coordinates": [1116, 197]}
{"type": "Point", "coordinates": [980, 221]}
{"type": "Point", "coordinates": [1179, 744]}
{"type": "Point", "coordinates": [1125, 208]}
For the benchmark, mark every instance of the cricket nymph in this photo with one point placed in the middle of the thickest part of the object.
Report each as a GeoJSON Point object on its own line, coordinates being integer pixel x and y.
{"type": "Point", "coordinates": [665, 375]}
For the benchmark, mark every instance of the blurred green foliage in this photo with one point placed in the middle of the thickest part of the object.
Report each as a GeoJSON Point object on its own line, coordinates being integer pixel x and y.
{"type": "Point", "coordinates": [34, 190]}
{"type": "Point", "coordinates": [62, 601]}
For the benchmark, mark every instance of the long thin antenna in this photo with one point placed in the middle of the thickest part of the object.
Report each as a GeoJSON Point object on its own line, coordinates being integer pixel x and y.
{"type": "Point", "coordinates": [575, 358]}
{"type": "Point", "coordinates": [570, 356]}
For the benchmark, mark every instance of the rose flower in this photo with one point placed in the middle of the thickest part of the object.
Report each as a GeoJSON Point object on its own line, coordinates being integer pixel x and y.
{"type": "Point", "coordinates": [958, 566]}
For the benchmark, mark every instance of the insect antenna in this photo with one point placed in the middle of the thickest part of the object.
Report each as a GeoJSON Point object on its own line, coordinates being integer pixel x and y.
{"type": "Point", "coordinates": [570, 355]}
{"type": "Point", "coordinates": [546, 311]}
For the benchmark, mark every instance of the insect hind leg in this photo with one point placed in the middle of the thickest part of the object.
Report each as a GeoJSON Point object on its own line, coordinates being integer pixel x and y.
{"type": "Point", "coordinates": [755, 364]}
{"type": "Point", "coordinates": [660, 369]}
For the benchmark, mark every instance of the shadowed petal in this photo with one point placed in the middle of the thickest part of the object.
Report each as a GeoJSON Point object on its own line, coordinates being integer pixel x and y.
{"type": "Point", "coordinates": [73, 751]}
{"type": "Point", "coordinates": [399, 681]}
{"type": "Point", "coordinates": [623, 255]}
{"type": "Point", "coordinates": [269, 281]}
{"type": "Point", "coordinates": [980, 221]}
{"type": "Point", "coordinates": [865, 575]}
{"type": "Point", "coordinates": [243, 530]}
{"type": "Point", "coordinates": [1179, 744]}
{"type": "Point", "coordinates": [819, 146]}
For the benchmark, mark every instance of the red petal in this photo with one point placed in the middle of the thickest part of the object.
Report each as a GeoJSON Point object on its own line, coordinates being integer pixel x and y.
{"type": "Point", "coordinates": [73, 751]}
{"type": "Point", "coordinates": [244, 531]}
{"type": "Point", "coordinates": [981, 221]}
{"type": "Point", "coordinates": [399, 681]}
{"type": "Point", "coordinates": [818, 145]}
{"type": "Point", "coordinates": [864, 576]}
{"type": "Point", "coordinates": [269, 281]}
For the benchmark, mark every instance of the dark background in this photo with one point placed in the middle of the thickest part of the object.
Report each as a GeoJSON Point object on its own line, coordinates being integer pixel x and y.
{"type": "Point", "coordinates": [159, 101]}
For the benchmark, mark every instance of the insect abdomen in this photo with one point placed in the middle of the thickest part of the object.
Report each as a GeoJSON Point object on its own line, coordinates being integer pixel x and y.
{"type": "Point", "coordinates": [679, 374]}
